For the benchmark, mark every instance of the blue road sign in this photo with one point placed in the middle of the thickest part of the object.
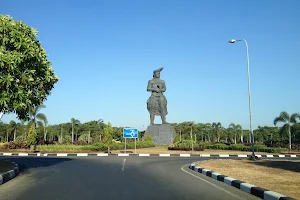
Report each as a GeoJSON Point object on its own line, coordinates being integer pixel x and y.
{"type": "Point", "coordinates": [130, 133]}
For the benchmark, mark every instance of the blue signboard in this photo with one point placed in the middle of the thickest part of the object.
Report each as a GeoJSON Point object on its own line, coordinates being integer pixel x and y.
{"type": "Point", "coordinates": [130, 133]}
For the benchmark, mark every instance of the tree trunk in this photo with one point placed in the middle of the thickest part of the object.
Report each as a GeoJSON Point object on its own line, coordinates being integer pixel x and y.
{"type": "Point", "coordinates": [235, 139]}
{"type": "Point", "coordinates": [6, 135]}
{"type": "Point", "coordinates": [15, 132]}
{"type": "Point", "coordinates": [290, 137]}
{"type": "Point", "coordinates": [72, 133]}
{"type": "Point", "coordinates": [45, 134]}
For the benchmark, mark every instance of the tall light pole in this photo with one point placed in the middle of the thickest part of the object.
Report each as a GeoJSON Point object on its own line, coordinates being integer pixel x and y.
{"type": "Point", "coordinates": [249, 95]}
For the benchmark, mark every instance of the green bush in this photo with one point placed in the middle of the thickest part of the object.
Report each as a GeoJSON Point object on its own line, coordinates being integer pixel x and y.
{"type": "Point", "coordinates": [117, 146]}
{"type": "Point", "coordinates": [32, 136]}
{"type": "Point", "coordinates": [186, 144]}
{"type": "Point", "coordinates": [148, 138]}
{"type": "Point", "coordinates": [176, 139]}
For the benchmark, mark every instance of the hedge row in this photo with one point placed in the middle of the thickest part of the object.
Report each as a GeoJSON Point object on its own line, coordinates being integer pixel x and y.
{"type": "Point", "coordinates": [117, 146]}
{"type": "Point", "coordinates": [70, 147]}
{"type": "Point", "coordinates": [14, 145]}
{"type": "Point", "coordinates": [186, 149]}
{"type": "Point", "coordinates": [242, 147]}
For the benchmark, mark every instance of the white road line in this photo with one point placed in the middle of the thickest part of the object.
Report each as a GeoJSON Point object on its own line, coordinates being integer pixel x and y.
{"type": "Point", "coordinates": [144, 154]}
{"type": "Point", "coordinates": [185, 155]}
{"type": "Point", "coordinates": [62, 154]}
{"type": "Point", "coordinates": [164, 155]}
{"type": "Point", "coordinates": [102, 154]}
{"type": "Point", "coordinates": [123, 165]}
{"type": "Point", "coordinates": [210, 183]}
{"type": "Point", "coordinates": [205, 155]}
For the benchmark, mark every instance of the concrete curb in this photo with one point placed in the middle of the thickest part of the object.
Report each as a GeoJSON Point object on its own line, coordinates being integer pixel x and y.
{"type": "Point", "coordinates": [4, 177]}
{"type": "Point", "coordinates": [246, 187]}
{"type": "Point", "coordinates": [144, 155]}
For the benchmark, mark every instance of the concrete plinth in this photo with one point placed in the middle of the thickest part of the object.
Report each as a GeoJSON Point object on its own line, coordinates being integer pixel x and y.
{"type": "Point", "coordinates": [161, 134]}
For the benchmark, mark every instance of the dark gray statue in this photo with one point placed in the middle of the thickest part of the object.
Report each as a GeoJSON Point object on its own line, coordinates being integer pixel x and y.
{"type": "Point", "coordinates": [157, 102]}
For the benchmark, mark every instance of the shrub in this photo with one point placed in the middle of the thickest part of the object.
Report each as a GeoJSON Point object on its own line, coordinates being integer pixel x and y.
{"type": "Point", "coordinates": [32, 136]}
{"type": "Point", "coordinates": [185, 148]}
{"type": "Point", "coordinates": [186, 144]}
{"type": "Point", "coordinates": [14, 145]}
{"type": "Point", "coordinates": [148, 138]}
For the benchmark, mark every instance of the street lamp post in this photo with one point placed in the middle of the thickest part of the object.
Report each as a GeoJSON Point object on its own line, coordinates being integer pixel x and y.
{"type": "Point", "coordinates": [249, 95]}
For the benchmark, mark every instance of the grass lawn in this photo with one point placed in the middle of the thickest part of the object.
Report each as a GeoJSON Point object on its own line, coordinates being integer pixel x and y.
{"type": "Point", "coordinates": [5, 166]}
{"type": "Point", "coordinates": [282, 176]}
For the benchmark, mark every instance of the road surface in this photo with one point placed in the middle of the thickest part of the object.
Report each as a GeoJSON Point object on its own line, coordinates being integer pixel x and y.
{"type": "Point", "coordinates": [85, 178]}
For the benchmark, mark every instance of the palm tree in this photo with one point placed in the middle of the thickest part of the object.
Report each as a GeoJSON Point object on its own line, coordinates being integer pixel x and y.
{"type": "Point", "coordinates": [36, 116]}
{"type": "Point", "coordinates": [217, 128]}
{"type": "Point", "coordinates": [236, 128]}
{"type": "Point", "coordinates": [285, 118]}
{"type": "Point", "coordinates": [75, 122]}
{"type": "Point", "coordinates": [100, 123]}
{"type": "Point", "coordinates": [14, 126]}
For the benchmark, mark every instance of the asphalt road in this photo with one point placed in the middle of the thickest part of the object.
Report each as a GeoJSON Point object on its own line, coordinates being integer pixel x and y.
{"type": "Point", "coordinates": [72, 178]}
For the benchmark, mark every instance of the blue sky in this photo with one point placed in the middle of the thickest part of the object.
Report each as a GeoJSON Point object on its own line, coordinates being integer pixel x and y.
{"type": "Point", "coordinates": [104, 53]}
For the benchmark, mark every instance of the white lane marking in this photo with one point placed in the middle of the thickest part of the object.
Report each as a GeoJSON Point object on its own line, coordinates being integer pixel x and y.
{"type": "Point", "coordinates": [242, 156]}
{"type": "Point", "coordinates": [7, 154]}
{"type": "Point", "coordinates": [123, 165]}
{"type": "Point", "coordinates": [82, 154]}
{"type": "Point", "coordinates": [23, 154]}
{"type": "Point", "coordinates": [223, 155]}
{"type": "Point", "coordinates": [164, 155]}
{"type": "Point", "coordinates": [204, 155]}
{"type": "Point", "coordinates": [210, 183]}
{"type": "Point", "coordinates": [102, 154]}
{"type": "Point", "coordinates": [144, 154]}
{"type": "Point", "coordinates": [62, 154]}
{"type": "Point", "coordinates": [123, 154]}
{"type": "Point", "coordinates": [185, 155]}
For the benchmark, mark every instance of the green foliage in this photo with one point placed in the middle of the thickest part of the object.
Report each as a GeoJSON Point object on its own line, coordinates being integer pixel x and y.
{"type": "Point", "coordinates": [84, 137]}
{"type": "Point", "coordinates": [60, 147]}
{"type": "Point", "coordinates": [176, 139]}
{"type": "Point", "coordinates": [117, 146]}
{"type": "Point", "coordinates": [32, 136]}
{"type": "Point", "coordinates": [26, 75]}
{"type": "Point", "coordinates": [21, 138]}
{"type": "Point", "coordinates": [185, 144]}
{"type": "Point", "coordinates": [108, 131]}
{"type": "Point", "coordinates": [148, 138]}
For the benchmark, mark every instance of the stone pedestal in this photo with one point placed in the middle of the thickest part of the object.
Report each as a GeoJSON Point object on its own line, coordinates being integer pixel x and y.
{"type": "Point", "coordinates": [161, 134]}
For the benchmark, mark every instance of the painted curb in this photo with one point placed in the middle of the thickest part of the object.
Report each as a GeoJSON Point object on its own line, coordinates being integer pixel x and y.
{"type": "Point", "coordinates": [246, 187]}
{"type": "Point", "coordinates": [6, 176]}
{"type": "Point", "coordinates": [144, 155]}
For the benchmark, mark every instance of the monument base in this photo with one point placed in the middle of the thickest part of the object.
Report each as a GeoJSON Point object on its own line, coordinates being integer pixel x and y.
{"type": "Point", "coordinates": [161, 134]}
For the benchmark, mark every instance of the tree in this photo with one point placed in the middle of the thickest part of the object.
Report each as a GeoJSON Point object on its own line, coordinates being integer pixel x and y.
{"type": "Point", "coordinates": [217, 128]}
{"type": "Point", "coordinates": [14, 126]}
{"type": "Point", "coordinates": [107, 139]}
{"type": "Point", "coordinates": [32, 136]}
{"type": "Point", "coordinates": [26, 76]}
{"type": "Point", "coordinates": [37, 118]}
{"type": "Point", "coordinates": [75, 122]}
{"type": "Point", "coordinates": [100, 123]}
{"type": "Point", "coordinates": [236, 128]}
{"type": "Point", "coordinates": [288, 120]}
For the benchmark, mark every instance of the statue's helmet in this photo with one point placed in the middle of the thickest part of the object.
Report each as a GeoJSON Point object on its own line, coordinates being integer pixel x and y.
{"type": "Point", "coordinates": [158, 70]}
